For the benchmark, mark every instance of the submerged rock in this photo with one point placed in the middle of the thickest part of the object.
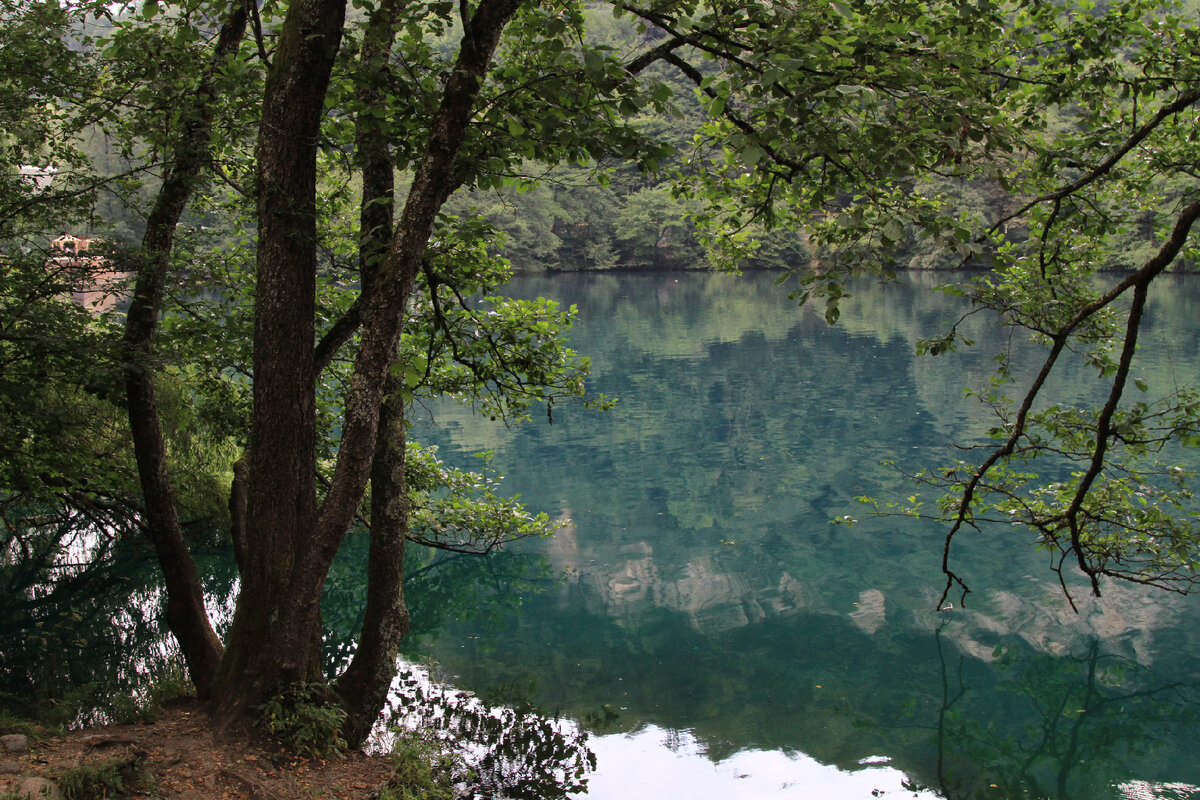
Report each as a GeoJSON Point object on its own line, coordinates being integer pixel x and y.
{"type": "Point", "coordinates": [871, 613]}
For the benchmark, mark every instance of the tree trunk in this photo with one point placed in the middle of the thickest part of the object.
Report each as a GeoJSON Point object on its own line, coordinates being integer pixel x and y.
{"type": "Point", "coordinates": [363, 687]}
{"type": "Point", "coordinates": [365, 684]}
{"type": "Point", "coordinates": [275, 637]}
{"type": "Point", "coordinates": [185, 612]}
{"type": "Point", "coordinates": [372, 151]}
{"type": "Point", "coordinates": [384, 310]}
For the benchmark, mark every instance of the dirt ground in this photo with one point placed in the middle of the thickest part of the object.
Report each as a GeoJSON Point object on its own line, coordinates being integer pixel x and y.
{"type": "Point", "coordinates": [178, 756]}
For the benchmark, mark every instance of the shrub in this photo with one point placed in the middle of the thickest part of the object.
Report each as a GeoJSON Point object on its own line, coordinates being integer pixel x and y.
{"type": "Point", "coordinates": [424, 770]}
{"type": "Point", "coordinates": [302, 718]}
{"type": "Point", "coordinates": [113, 778]}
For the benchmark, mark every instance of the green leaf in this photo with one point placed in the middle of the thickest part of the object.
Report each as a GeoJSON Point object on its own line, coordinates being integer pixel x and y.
{"type": "Point", "coordinates": [593, 60]}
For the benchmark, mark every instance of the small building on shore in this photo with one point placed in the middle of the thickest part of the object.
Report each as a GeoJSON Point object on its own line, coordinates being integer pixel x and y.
{"type": "Point", "coordinates": [94, 284]}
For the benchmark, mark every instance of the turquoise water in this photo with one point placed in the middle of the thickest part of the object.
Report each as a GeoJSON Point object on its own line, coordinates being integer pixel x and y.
{"type": "Point", "coordinates": [714, 634]}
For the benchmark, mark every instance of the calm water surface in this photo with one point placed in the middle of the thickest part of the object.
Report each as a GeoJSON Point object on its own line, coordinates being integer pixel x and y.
{"type": "Point", "coordinates": [717, 636]}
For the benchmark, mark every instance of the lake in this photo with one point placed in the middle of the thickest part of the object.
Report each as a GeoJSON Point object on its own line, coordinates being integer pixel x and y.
{"type": "Point", "coordinates": [706, 630]}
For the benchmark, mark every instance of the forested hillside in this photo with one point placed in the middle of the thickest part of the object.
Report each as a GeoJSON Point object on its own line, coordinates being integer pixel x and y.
{"type": "Point", "coordinates": [610, 215]}
{"type": "Point", "coordinates": [606, 213]}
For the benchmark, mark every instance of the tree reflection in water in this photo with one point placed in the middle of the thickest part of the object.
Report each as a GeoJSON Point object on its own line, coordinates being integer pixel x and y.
{"type": "Point", "coordinates": [510, 751]}
{"type": "Point", "coordinates": [81, 621]}
{"type": "Point", "coordinates": [1086, 720]}
{"type": "Point", "coordinates": [509, 748]}
{"type": "Point", "coordinates": [81, 639]}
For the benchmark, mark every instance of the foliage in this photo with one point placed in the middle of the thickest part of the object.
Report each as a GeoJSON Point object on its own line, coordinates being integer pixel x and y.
{"type": "Point", "coordinates": [1115, 503]}
{"type": "Point", "coordinates": [168, 682]}
{"type": "Point", "coordinates": [40, 116]}
{"type": "Point", "coordinates": [305, 719]}
{"type": "Point", "coordinates": [500, 355]}
{"type": "Point", "coordinates": [424, 769]}
{"type": "Point", "coordinates": [16, 724]}
{"type": "Point", "coordinates": [462, 511]}
{"type": "Point", "coordinates": [1084, 117]}
{"type": "Point", "coordinates": [260, 151]}
{"type": "Point", "coordinates": [63, 590]}
{"type": "Point", "coordinates": [114, 777]}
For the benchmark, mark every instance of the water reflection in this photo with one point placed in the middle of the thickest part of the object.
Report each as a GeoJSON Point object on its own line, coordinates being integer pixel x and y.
{"type": "Point", "coordinates": [654, 762]}
{"type": "Point", "coordinates": [508, 750]}
{"type": "Point", "coordinates": [440, 588]}
{"type": "Point", "coordinates": [704, 630]}
{"type": "Point", "coordinates": [1031, 724]}
{"type": "Point", "coordinates": [508, 746]}
{"type": "Point", "coordinates": [709, 593]}
{"type": "Point", "coordinates": [82, 633]}
{"type": "Point", "coordinates": [1077, 724]}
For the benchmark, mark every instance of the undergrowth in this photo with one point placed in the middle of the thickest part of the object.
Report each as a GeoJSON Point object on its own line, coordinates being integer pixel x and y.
{"type": "Point", "coordinates": [424, 770]}
{"type": "Point", "coordinates": [303, 719]}
{"type": "Point", "coordinates": [112, 778]}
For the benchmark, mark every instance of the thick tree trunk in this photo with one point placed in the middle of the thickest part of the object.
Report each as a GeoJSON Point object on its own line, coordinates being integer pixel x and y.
{"type": "Point", "coordinates": [275, 637]}
{"type": "Point", "coordinates": [185, 611]}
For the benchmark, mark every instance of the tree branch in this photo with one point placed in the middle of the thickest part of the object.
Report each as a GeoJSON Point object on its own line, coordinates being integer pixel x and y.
{"type": "Point", "coordinates": [1139, 280]}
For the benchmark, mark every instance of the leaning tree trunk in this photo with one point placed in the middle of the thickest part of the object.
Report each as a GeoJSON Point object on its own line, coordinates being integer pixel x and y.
{"type": "Point", "coordinates": [185, 612]}
{"type": "Point", "coordinates": [368, 444]}
{"type": "Point", "coordinates": [363, 687]}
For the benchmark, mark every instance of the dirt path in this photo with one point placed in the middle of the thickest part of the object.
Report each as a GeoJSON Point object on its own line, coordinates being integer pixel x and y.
{"type": "Point", "coordinates": [179, 757]}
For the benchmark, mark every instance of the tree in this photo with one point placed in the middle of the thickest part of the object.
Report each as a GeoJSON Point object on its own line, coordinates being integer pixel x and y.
{"type": "Point", "coordinates": [1092, 139]}
{"type": "Point", "coordinates": [821, 116]}
{"type": "Point", "coordinates": [503, 356]}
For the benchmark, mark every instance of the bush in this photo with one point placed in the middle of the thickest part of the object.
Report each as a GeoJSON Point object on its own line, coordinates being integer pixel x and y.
{"type": "Point", "coordinates": [113, 778]}
{"type": "Point", "coordinates": [302, 718]}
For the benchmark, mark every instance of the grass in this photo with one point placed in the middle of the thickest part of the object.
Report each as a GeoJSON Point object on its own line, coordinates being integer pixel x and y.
{"type": "Point", "coordinates": [10, 723]}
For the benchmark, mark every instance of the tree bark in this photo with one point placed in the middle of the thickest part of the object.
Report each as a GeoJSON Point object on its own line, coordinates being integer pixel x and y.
{"type": "Point", "coordinates": [185, 610]}
{"type": "Point", "coordinates": [372, 151]}
{"type": "Point", "coordinates": [275, 637]}
{"type": "Point", "coordinates": [384, 310]}
{"type": "Point", "coordinates": [363, 687]}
